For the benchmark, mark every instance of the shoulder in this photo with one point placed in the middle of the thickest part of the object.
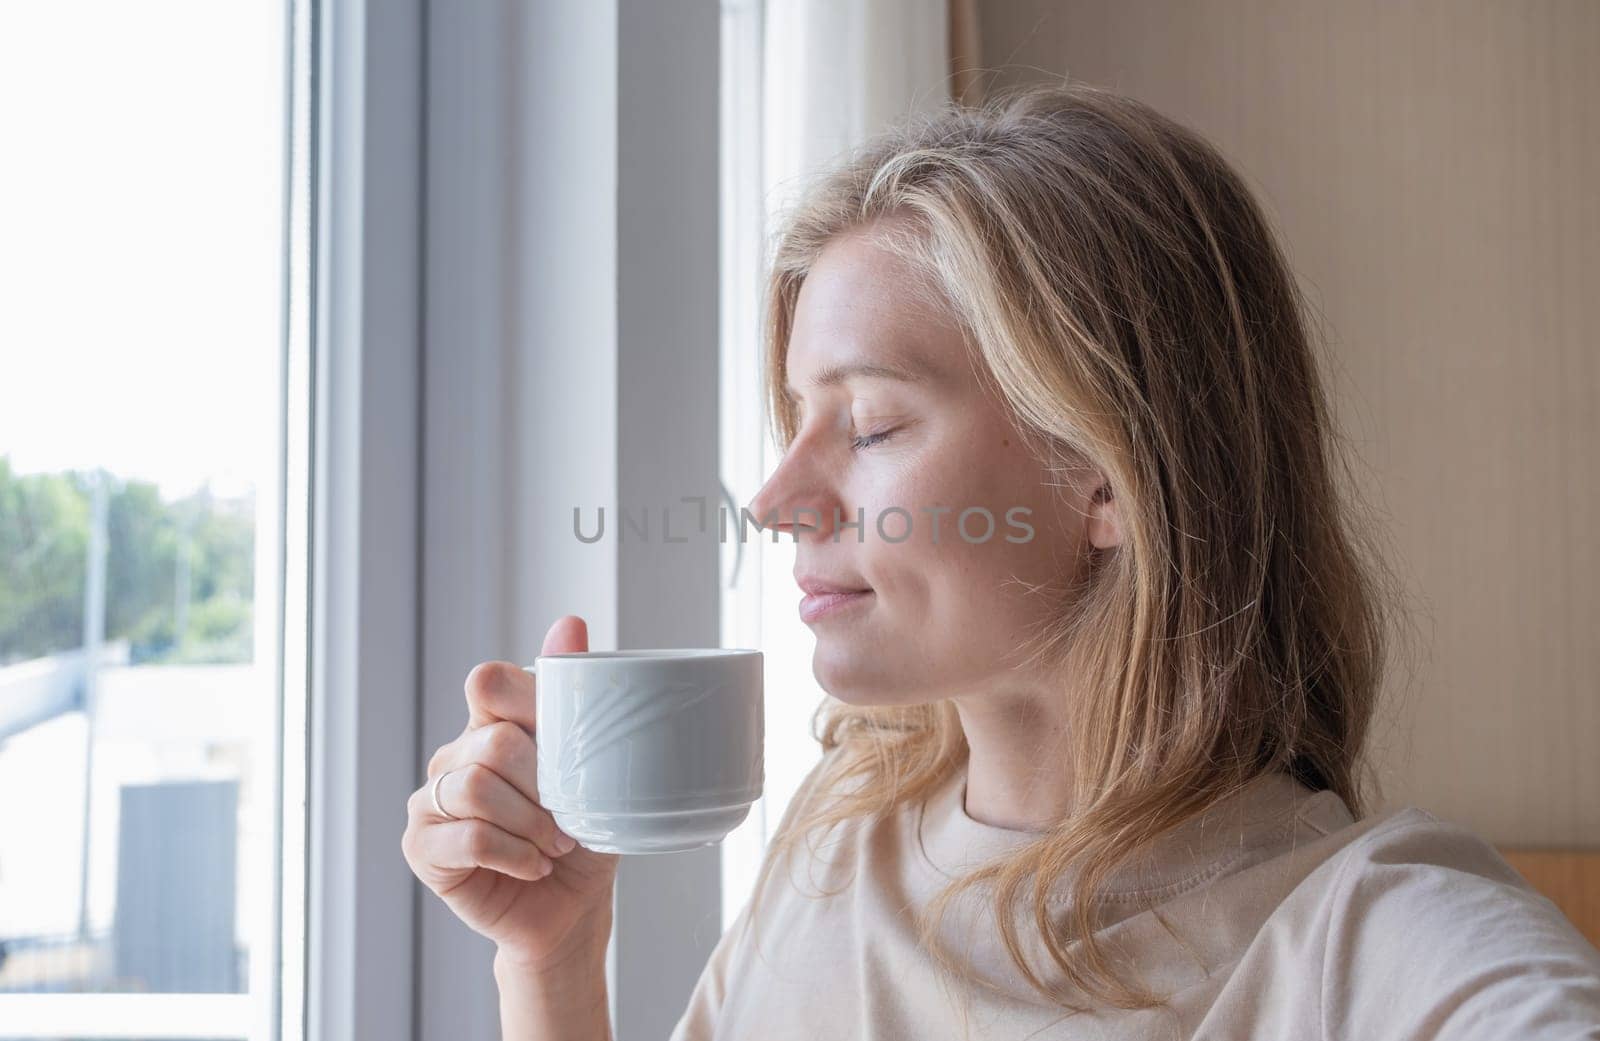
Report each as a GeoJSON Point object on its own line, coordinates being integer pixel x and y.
{"type": "Point", "coordinates": [1409, 861]}
{"type": "Point", "coordinates": [1431, 933]}
{"type": "Point", "coordinates": [1416, 878]}
{"type": "Point", "coordinates": [1412, 844]}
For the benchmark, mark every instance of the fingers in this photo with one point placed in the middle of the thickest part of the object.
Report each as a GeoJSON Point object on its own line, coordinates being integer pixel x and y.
{"type": "Point", "coordinates": [568, 635]}
{"type": "Point", "coordinates": [505, 690]}
{"type": "Point", "coordinates": [502, 746]}
{"type": "Point", "coordinates": [471, 843]}
{"type": "Point", "coordinates": [478, 792]}
{"type": "Point", "coordinates": [500, 690]}
{"type": "Point", "coordinates": [488, 777]}
{"type": "Point", "coordinates": [494, 774]}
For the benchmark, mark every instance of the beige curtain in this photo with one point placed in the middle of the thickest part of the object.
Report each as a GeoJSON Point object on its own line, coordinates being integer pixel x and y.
{"type": "Point", "coordinates": [838, 71]}
{"type": "Point", "coordinates": [966, 53]}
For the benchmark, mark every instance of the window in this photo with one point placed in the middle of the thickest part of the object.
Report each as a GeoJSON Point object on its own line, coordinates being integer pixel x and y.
{"type": "Point", "coordinates": [143, 520]}
{"type": "Point", "coordinates": [759, 606]}
{"type": "Point", "coordinates": [793, 100]}
{"type": "Point", "coordinates": [742, 445]}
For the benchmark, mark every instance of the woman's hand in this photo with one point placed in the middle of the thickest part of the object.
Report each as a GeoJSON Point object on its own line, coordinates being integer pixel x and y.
{"type": "Point", "coordinates": [503, 866]}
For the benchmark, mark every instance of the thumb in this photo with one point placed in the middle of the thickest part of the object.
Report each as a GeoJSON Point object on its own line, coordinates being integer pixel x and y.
{"type": "Point", "coordinates": [568, 635]}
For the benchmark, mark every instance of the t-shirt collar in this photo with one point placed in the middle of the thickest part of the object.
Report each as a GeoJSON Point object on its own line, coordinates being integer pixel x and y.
{"type": "Point", "coordinates": [953, 843]}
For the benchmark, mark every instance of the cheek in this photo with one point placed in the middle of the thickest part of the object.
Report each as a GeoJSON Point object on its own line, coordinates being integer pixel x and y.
{"type": "Point", "coordinates": [937, 573]}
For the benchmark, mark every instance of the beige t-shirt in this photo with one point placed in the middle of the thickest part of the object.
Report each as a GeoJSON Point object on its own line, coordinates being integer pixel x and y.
{"type": "Point", "coordinates": [1296, 921]}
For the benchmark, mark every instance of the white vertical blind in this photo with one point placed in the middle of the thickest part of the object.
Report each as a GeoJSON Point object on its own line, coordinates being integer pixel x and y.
{"type": "Point", "coordinates": [570, 360]}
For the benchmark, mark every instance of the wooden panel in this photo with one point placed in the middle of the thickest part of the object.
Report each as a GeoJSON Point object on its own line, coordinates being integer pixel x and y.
{"type": "Point", "coordinates": [1571, 879]}
{"type": "Point", "coordinates": [1432, 169]}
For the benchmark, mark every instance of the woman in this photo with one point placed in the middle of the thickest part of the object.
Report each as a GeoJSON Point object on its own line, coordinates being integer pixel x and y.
{"type": "Point", "coordinates": [1092, 766]}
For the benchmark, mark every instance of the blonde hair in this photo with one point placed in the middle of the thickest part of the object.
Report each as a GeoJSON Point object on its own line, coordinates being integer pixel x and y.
{"type": "Point", "coordinates": [1130, 303]}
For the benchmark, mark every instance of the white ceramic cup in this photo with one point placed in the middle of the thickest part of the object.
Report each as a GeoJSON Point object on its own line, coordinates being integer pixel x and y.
{"type": "Point", "coordinates": [649, 751]}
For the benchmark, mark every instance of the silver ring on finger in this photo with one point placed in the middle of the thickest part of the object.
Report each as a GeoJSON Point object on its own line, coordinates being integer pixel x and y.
{"type": "Point", "coordinates": [433, 790]}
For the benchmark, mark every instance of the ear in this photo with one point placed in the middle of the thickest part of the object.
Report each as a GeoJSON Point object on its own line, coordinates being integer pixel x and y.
{"type": "Point", "coordinates": [1103, 524]}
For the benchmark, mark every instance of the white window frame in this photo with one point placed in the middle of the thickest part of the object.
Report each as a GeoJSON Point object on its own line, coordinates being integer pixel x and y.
{"type": "Point", "coordinates": [365, 596]}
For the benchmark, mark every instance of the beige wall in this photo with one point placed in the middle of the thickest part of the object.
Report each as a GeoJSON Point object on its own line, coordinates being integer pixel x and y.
{"type": "Point", "coordinates": [1435, 171]}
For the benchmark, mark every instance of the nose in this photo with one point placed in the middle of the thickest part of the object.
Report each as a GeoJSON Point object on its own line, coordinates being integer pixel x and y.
{"type": "Point", "coordinates": [798, 498]}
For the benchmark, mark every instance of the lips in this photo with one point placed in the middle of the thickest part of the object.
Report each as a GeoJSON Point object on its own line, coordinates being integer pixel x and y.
{"type": "Point", "coordinates": [826, 597]}
{"type": "Point", "coordinates": [817, 605]}
{"type": "Point", "coordinates": [815, 586]}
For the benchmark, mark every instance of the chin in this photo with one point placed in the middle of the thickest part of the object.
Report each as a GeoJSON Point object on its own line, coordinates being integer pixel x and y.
{"type": "Point", "coordinates": [843, 673]}
{"type": "Point", "coordinates": [864, 683]}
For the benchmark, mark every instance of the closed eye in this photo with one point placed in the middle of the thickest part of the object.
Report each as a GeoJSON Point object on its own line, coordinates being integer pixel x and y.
{"type": "Point", "coordinates": [868, 440]}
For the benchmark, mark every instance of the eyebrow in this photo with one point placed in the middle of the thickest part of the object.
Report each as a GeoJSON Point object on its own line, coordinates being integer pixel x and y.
{"type": "Point", "coordinates": [833, 375]}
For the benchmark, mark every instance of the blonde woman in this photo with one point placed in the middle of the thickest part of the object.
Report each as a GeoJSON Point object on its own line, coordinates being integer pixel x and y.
{"type": "Point", "coordinates": [1102, 638]}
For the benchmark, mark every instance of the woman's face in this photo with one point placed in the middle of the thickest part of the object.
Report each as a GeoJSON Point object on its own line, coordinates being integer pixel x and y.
{"type": "Point", "coordinates": [895, 429]}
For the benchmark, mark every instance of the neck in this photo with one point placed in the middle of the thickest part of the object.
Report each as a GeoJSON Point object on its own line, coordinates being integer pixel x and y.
{"type": "Point", "coordinates": [1017, 776]}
